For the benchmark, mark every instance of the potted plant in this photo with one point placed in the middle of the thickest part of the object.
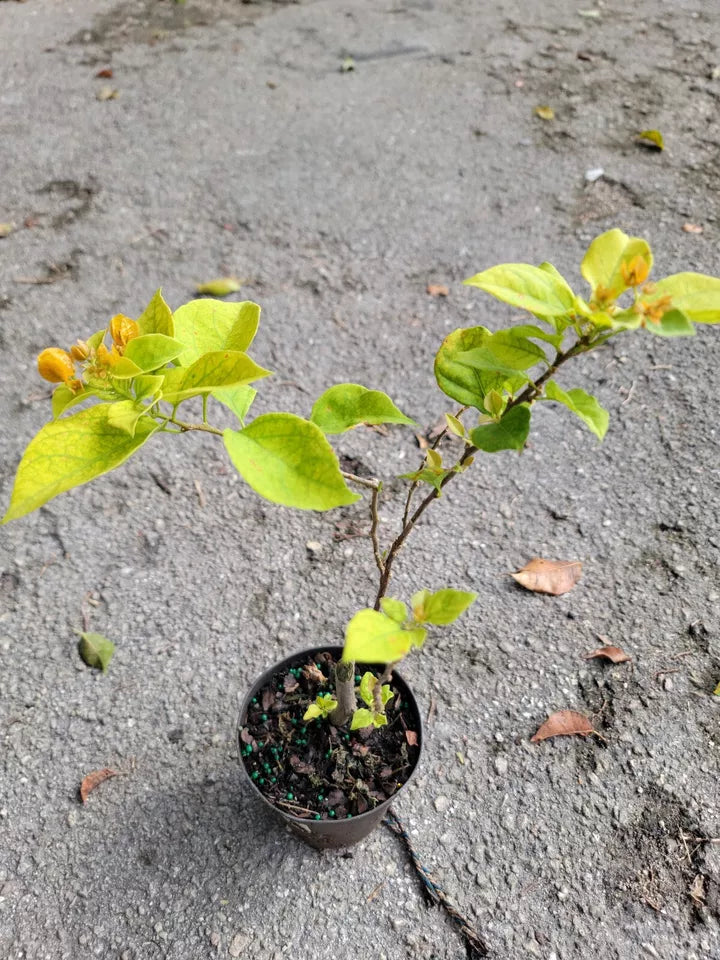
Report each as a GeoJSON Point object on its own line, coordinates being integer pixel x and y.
{"type": "Point", "coordinates": [329, 736]}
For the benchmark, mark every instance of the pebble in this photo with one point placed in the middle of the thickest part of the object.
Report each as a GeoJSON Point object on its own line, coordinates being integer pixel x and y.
{"type": "Point", "coordinates": [594, 174]}
{"type": "Point", "coordinates": [238, 944]}
{"type": "Point", "coordinates": [442, 804]}
{"type": "Point", "coordinates": [501, 766]}
{"type": "Point", "coordinates": [314, 549]}
{"type": "Point", "coordinates": [650, 950]}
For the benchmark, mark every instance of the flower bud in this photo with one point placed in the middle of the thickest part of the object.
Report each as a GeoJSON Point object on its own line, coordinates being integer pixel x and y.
{"type": "Point", "coordinates": [55, 365]}
{"type": "Point", "coordinates": [80, 351]}
{"type": "Point", "coordinates": [123, 329]}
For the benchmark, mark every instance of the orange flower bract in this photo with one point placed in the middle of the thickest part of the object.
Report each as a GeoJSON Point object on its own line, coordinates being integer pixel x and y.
{"type": "Point", "coordinates": [55, 365]}
{"type": "Point", "coordinates": [123, 329]}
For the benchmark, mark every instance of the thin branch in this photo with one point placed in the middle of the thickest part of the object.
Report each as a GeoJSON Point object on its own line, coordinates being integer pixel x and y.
{"type": "Point", "coordinates": [371, 483]}
{"type": "Point", "coordinates": [414, 485]}
{"type": "Point", "coordinates": [376, 487]}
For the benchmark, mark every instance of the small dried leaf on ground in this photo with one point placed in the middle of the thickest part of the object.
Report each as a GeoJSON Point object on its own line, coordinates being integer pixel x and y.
{"type": "Point", "coordinates": [290, 683]}
{"type": "Point", "coordinates": [311, 672]}
{"type": "Point", "coordinates": [411, 737]}
{"type": "Point", "coordinates": [610, 652]}
{"type": "Point", "coordinates": [545, 112]}
{"type": "Point", "coordinates": [105, 74]}
{"type": "Point", "coordinates": [219, 287]}
{"type": "Point", "coordinates": [93, 780]}
{"type": "Point", "coordinates": [651, 138]}
{"type": "Point", "coordinates": [107, 93]}
{"type": "Point", "coordinates": [692, 228]}
{"type": "Point", "coordinates": [697, 890]}
{"type": "Point", "coordinates": [6, 229]}
{"type": "Point", "coordinates": [438, 290]}
{"type": "Point", "coordinates": [564, 723]}
{"type": "Point", "coordinates": [549, 576]}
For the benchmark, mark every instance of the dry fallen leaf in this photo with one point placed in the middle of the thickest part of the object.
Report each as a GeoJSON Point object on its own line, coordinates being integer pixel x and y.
{"type": "Point", "coordinates": [311, 672]}
{"type": "Point", "coordinates": [616, 654]}
{"type": "Point", "coordinates": [545, 112]}
{"type": "Point", "coordinates": [697, 890]}
{"type": "Point", "coordinates": [549, 576]}
{"type": "Point", "coordinates": [411, 737]}
{"type": "Point", "coordinates": [438, 290]}
{"type": "Point", "coordinates": [93, 780]}
{"type": "Point", "coordinates": [107, 93]}
{"type": "Point", "coordinates": [692, 228]}
{"type": "Point", "coordinates": [564, 723]}
{"type": "Point", "coordinates": [6, 229]}
{"type": "Point", "coordinates": [105, 74]}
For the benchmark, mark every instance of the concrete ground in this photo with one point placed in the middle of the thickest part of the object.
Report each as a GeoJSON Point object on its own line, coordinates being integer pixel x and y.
{"type": "Point", "coordinates": [237, 145]}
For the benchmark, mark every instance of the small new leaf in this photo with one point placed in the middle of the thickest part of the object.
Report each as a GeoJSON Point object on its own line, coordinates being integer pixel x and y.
{"type": "Point", "coordinates": [455, 426]}
{"type": "Point", "coordinates": [395, 609]}
{"type": "Point", "coordinates": [367, 687]}
{"type": "Point", "coordinates": [96, 650]}
{"type": "Point", "coordinates": [445, 606]}
{"type": "Point", "coordinates": [372, 637]}
{"type": "Point", "coordinates": [362, 718]}
{"type": "Point", "coordinates": [322, 707]}
{"type": "Point", "coordinates": [583, 405]}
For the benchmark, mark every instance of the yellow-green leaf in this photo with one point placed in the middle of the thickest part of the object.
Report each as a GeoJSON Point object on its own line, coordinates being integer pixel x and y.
{"type": "Point", "coordinates": [583, 405]}
{"type": "Point", "coordinates": [210, 325]}
{"type": "Point", "coordinates": [372, 637]}
{"type": "Point", "coordinates": [347, 405]}
{"type": "Point", "coordinates": [652, 138]}
{"type": "Point", "coordinates": [151, 351]}
{"type": "Point", "coordinates": [157, 317]}
{"type": "Point", "coordinates": [445, 606]}
{"type": "Point", "coordinates": [466, 384]}
{"type": "Point", "coordinates": [124, 415]}
{"type": "Point", "coordinates": [395, 609]}
{"type": "Point", "coordinates": [541, 292]}
{"type": "Point", "coordinates": [367, 687]}
{"type": "Point", "coordinates": [221, 368]}
{"type": "Point", "coordinates": [697, 295]}
{"type": "Point", "coordinates": [238, 399]}
{"type": "Point", "coordinates": [289, 461]}
{"type": "Point", "coordinates": [69, 452]}
{"type": "Point", "coordinates": [219, 287]}
{"type": "Point", "coordinates": [544, 112]}
{"type": "Point", "coordinates": [606, 258]}
{"type": "Point", "coordinates": [362, 718]}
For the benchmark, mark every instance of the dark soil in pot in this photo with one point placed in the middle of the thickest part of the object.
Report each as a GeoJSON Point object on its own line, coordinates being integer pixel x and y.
{"type": "Point", "coordinates": [313, 770]}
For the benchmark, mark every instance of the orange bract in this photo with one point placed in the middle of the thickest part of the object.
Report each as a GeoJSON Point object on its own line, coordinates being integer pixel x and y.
{"type": "Point", "coordinates": [55, 365]}
{"type": "Point", "coordinates": [635, 271]}
{"type": "Point", "coordinates": [123, 329]}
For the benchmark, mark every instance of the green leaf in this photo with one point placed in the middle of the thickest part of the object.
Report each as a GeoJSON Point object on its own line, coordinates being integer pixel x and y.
{"type": "Point", "coordinates": [96, 650]}
{"type": "Point", "coordinates": [509, 433]}
{"type": "Point", "coordinates": [157, 317]}
{"type": "Point", "coordinates": [673, 323]}
{"type": "Point", "coordinates": [445, 606]}
{"type": "Point", "coordinates": [288, 460]}
{"type": "Point", "coordinates": [468, 385]}
{"type": "Point", "coordinates": [372, 637]}
{"type": "Point", "coordinates": [96, 339]}
{"type": "Point", "coordinates": [220, 287]}
{"type": "Point", "coordinates": [125, 369]}
{"type": "Point", "coordinates": [495, 403]}
{"type": "Point", "coordinates": [323, 707]}
{"type": "Point", "coordinates": [602, 265]}
{"type": "Point", "coordinates": [367, 687]}
{"type": "Point", "coordinates": [147, 386]}
{"type": "Point", "coordinates": [535, 289]}
{"type": "Point", "coordinates": [508, 352]}
{"type": "Point", "coordinates": [312, 712]}
{"type": "Point", "coordinates": [347, 405]}
{"type": "Point", "coordinates": [395, 609]}
{"type": "Point", "coordinates": [152, 351]}
{"type": "Point", "coordinates": [697, 295]}
{"type": "Point", "coordinates": [583, 405]}
{"type": "Point", "coordinates": [221, 368]}
{"type": "Point", "coordinates": [417, 602]}
{"type": "Point", "coordinates": [386, 694]}
{"type": "Point", "coordinates": [530, 330]}
{"type": "Point", "coordinates": [124, 415]}
{"type": "Point", "coordinates": [63, 399]}
{"type": "Point", "coordinates": [67, 453]}
{"type": "Point", "coordinates": [379, 720]}
{"type": "Point", "coordinates": [206, 326]}
{"type": "Point", "coordinates": [238, 399]}
{"type": "Point", "coordinates": [362, 718]}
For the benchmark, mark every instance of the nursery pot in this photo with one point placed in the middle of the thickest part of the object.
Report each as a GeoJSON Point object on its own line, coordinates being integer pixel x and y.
{"type": "Point", "coordinates": [330, 834]}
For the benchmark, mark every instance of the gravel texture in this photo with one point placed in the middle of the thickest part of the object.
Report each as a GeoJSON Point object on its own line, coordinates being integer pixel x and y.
{"type": "Point", "coordinates": [237, 145]}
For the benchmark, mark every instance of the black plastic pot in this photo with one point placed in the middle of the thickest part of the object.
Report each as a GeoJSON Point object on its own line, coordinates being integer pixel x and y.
{"type": "Point", "coordinates": [330, 834]}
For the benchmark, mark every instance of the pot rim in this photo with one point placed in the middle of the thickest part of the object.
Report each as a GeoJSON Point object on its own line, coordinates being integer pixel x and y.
{"type": "Point", "coordinates": [291, 817]}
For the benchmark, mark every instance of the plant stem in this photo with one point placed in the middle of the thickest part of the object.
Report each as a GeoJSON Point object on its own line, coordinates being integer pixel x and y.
{"type": "Point", "coordinates": [185, 427]}
{"type": "Point", "coordinates": [414, 485]}
{"type": "Point", "coordinates": [344, 692]}
{"type": "Point", "coordinates": [376, 487]}
{"type": "Point", "coordinates": [528, 395]}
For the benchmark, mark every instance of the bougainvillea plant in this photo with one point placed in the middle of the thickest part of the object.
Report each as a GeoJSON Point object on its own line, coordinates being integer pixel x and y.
{"type": "Point", "coordinates": [128, 383]}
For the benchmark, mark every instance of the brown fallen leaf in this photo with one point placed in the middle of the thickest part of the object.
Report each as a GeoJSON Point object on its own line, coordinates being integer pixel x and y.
{"type": "Point", "coordinates": [411, 737]}
{"type": "Point", "coordinates": [93, 780]}
{"type": "Point", "coordinates": [692, 228]}
{"type": "Point", "coordinates": [616, 654]}
{"type": "Point", "coordinates": [105, 74]}
{"type": "Point", "coordinates": [564, 723]}
{"type": "Point", "coordinates": [311, 672]}
{"type": "Point", "coordinates": [697, 890]}
{"type": "Point", "coordinates": [290, 683]}
{"type": "Point", "coordinates": [438, 290]}
{"type": "Point", "coordinates": [549, 576]}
